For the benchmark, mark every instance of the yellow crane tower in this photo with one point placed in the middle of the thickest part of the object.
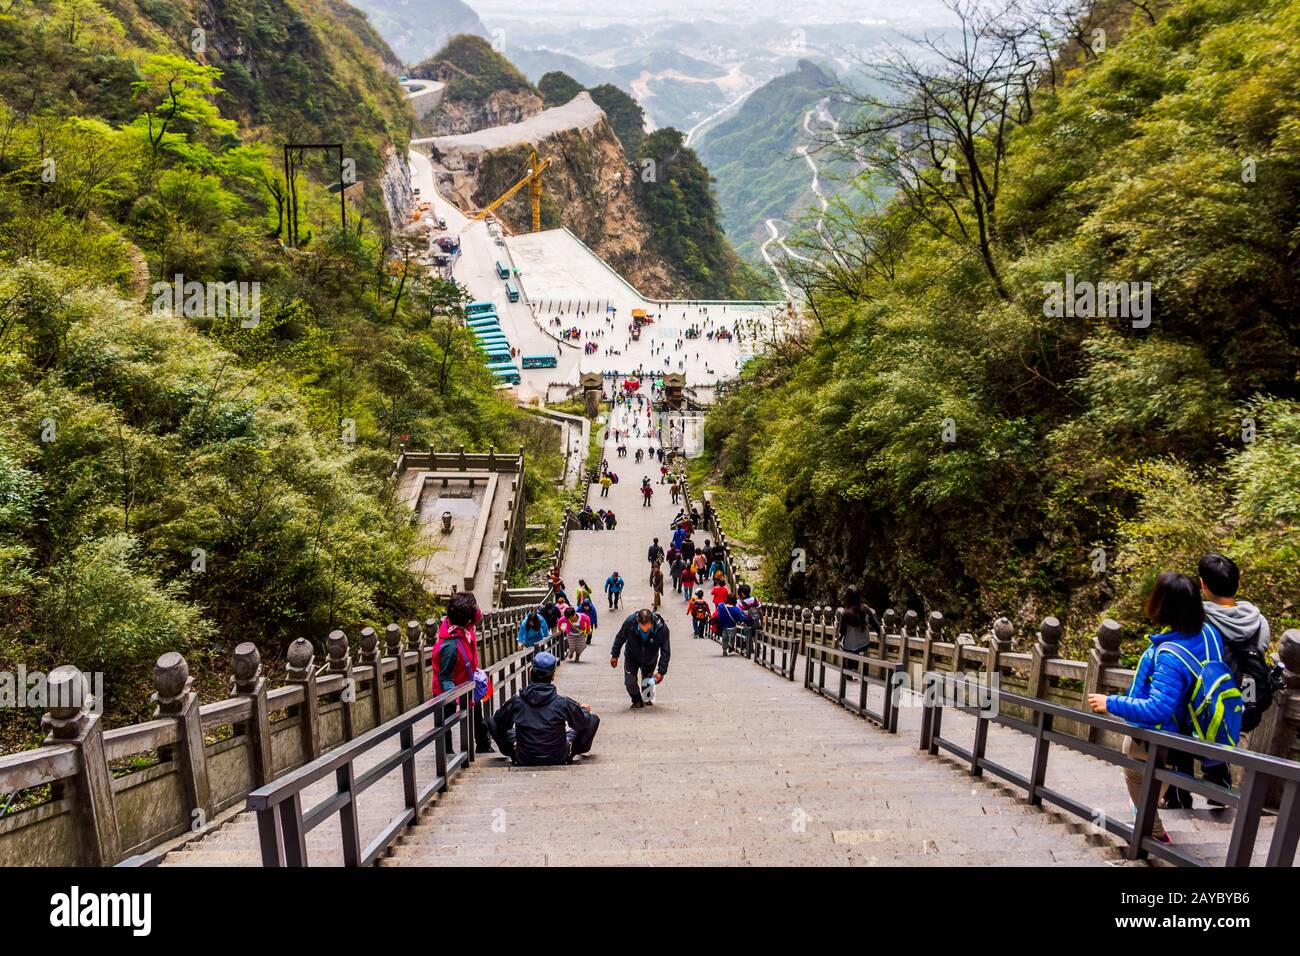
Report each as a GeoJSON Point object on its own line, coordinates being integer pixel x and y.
{"type": "Point", "coordinates": [533, 180]}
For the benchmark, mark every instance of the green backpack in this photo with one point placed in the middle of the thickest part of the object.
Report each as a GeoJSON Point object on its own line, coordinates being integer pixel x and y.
{"type": "Point", "coordinates": [1215, 706]}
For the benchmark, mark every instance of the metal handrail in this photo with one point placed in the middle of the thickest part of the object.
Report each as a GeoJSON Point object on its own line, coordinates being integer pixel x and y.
{"type": "Point", "coordinates": [281, 820]}
{"type": "Point", "coordinates": [887, 716]}
{"type": "Point", "coordinates": [1258, 770]}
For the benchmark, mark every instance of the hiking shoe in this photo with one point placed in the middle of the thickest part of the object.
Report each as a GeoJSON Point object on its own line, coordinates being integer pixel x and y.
{"type": "Point", "coordinates": [638, 704]}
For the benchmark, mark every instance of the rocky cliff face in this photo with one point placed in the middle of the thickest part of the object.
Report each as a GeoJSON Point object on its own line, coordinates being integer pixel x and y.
{"type": "Point", "coordinates": [395, 183]}
{"type": "Point", "coordinates": [497, 109]}
{"type": "Point", "coordinates": [589, 186]}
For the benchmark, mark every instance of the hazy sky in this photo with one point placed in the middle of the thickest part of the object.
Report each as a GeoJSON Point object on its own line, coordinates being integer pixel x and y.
{"type": "Point", "coordinates": [595, 12]}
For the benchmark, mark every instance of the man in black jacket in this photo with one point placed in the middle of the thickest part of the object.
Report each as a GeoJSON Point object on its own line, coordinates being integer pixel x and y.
{"type": "Point", "coordinates": [537, 727]}
{"type": "Point", "coordinates": [646, 636]}
{"type": "Point", "coordinates": [653, 554]}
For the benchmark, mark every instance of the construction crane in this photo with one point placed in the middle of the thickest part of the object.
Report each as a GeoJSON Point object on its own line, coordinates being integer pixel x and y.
{"type": "Point", "coordinates": [533, 180]}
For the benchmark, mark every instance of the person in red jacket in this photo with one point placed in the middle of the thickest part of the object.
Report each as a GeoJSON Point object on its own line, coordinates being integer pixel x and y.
{"type": "Point", "coordinates": [720, 592]}
{"type": "Point", "coordinates": [688, 581]}
{"type": "Point", "coordinates": [455, 658]}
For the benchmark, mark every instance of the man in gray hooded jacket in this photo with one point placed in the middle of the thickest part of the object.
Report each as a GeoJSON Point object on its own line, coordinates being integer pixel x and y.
{"type": "Point", "coordinates": [1246, 637]}
{"type": "Point", "coordinates": [1237, 621]}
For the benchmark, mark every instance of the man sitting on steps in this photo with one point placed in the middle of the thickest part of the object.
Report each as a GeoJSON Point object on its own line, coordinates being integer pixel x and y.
{"type": "Point", "coordinates": [537, 727]}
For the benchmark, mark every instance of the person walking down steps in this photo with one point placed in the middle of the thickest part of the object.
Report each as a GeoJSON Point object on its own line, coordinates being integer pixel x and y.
{"type": "Point", "coordinates": [643, 640]}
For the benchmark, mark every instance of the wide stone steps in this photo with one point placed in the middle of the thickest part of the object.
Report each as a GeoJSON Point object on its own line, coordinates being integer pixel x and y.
{"type": "Point", "coordinates": [732, 766]}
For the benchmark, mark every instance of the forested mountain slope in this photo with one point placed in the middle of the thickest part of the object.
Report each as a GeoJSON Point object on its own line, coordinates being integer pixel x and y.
{"type": "Point", "coordinates": [754, 154]}
{"type": "Point", "coordinates": [946, 434]}
{"type": "Point", "coordinates": [173, 477]}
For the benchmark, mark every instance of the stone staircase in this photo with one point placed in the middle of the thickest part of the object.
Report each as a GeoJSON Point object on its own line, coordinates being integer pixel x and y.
{"type": "Point", "coordinates": [733, 765]}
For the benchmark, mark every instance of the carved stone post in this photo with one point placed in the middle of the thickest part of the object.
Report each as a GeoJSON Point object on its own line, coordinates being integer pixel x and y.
{"type": "Point", "coordinates": [999, 643]}
{"type": "Point", "coordinates": [249, 682]}
{"type": "Point", "coordinates": [1275, 733]}
{"type": "Point", "coordinates": [393, 649]}
{"type": "Point", "coordinates": [888, 626]}
{"type": "Point", "coordinates": [370, 657]}
{"type": "Point", "coordinates": [1047, 647]}
{"type": "Point", "coordinates": [1103, 654]}
{"type": "Point", "coordinates": [300, 670]}
{"type": "Point", "coordinates": [911, 625]}
{"type": "Point", "coordinates": [415, 643]}
{"type": "Point", "coordinates": [175, 697]}
{"type": "Point", "coordinates": [71, 720]}
{"type": "Point", "coordinates": [340, 662]}
{"type": "Point", "coordinates": [933, 632]}
{"type": "Point", "coordinates": [830, 630]}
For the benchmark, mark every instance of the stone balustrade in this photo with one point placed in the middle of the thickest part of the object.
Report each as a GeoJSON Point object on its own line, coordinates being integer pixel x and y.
{"type": "Point", "coordinates": [116, 793]}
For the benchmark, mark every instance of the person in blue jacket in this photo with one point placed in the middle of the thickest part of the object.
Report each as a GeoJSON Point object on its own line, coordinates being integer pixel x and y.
{"type": "Point", "coordinates": [614, 590]}
{"type": "Point", "coordinates": [588, 607]}
{"type": "Point", "coordinates": [1157, 698]}
{"type": "Point", "coordinates": [533, 629]}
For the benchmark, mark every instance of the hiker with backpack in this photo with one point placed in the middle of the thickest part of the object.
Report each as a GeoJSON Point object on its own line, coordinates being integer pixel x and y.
{"type": "Point", "coordinates": [1181, 684]}
{"type": "Point", "coordinates": [698, 609]}
{"type": "Point", "coordinates": [753, 611]}
{"type": "Point", "coordinates": [644, 642]}
{"type": "Point", "coordinates": [588, 607]}
{"type": "Point", "coordinates": [1245, 635]}
{"type": "Point", "coordinates": [537, 727]}
{"type": "Point", "coordinates": [729, 618]}
{"type": "Point", "coordinates": [455, 661]}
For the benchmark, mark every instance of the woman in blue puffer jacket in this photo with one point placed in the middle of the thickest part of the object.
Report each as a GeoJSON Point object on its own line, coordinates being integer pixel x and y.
{"type": "Point", "coordinates": [1162, 684]}
{"type": "Point", "coordinates": [532, 630]}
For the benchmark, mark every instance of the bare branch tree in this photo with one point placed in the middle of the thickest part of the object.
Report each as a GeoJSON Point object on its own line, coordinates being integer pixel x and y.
{"type": "Point", "coordinates": [939, 132]}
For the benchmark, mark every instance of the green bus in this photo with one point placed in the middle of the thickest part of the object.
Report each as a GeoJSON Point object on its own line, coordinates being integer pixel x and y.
{"type": "Point", "coordinates": [510, 375]}
{"type": "Point", "coordinates": [540, 361]}
{"type": "Point", "coordinates": [503, 271]}
{"type": "Point", "coordinates": [512, 293]}
{"type": "Point", "coordinates": [475, 309]}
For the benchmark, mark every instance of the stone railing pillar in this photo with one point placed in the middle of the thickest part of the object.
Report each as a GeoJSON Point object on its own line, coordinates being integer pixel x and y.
{"type": "Point", "coordinates": [1103, 654]}
{"type": "Point", "coordinates": [249, 682]}
{"type": "Point", "coordinates": [71, 720]}
{"type": "Point", "coordinates": [911, 629]}
{"type": "Point", "coordinates": [340, 662]}
{"type": "Point", "coordinates": [175, 697]}
{"type": "Point", "coordinates": [300, 670]}
{"type": "Point", "coordinates": [415, 642]}
{"type": "Point", "coordinates": [888, 627]}
{"type": "Point", "coordinates": [370, 657]}
{"type": "Point", "coordinates": [933, 632]}
{"type": "Point", "coordinates": [999, 642]}
{"type": "Point", "coordinates": [393, 651]}
{"type": "Point", "coordinates": [1047, 647]}
{"type": "Point", "coordinates": [828, 625]}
